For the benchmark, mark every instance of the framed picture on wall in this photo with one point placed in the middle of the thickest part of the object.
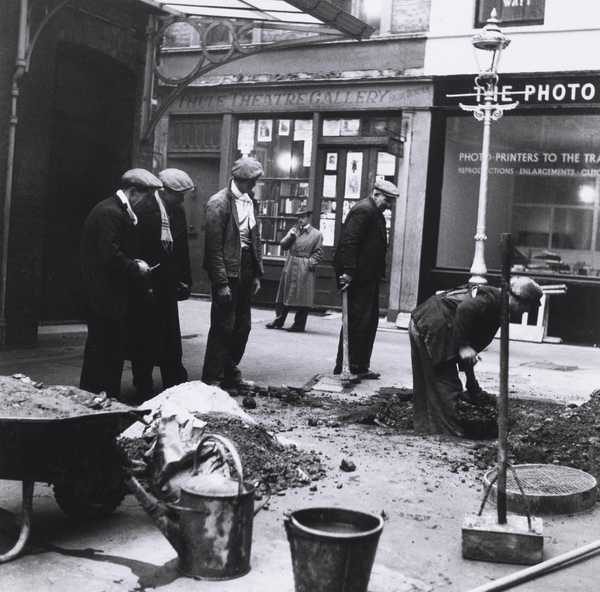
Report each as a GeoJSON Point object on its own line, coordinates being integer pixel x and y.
{"type": "Point", "coordinates": [331, 161]}
{"type": "Point", "coordinates": [284, 127]}
{"type": "Point", "coordinates": [265, 130]}
{"type": "Point", "coordinates": [354, 166]}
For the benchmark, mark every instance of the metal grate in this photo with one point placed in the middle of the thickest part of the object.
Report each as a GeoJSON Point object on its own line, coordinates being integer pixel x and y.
{"type": "Point", "coordinates": [549, 489]}
{"type": "Point", "coordinates": [549, 480]}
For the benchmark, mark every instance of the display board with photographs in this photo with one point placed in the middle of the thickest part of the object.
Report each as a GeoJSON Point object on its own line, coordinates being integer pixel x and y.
{"type": "Point", "coordinates": [284, 148]}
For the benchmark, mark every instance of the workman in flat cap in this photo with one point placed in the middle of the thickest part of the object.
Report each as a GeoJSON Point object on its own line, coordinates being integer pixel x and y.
{"type": "Point", "coordinates": [153, 317]}
{"type": "Point", "coordinates": [233, 260]}
{"type": "Point", "coordinates": [110, 268]}
{"type": "Point", "coordinates": [297, 283]}
{"type": "Point", "coordinates": [447, 332]}
{"type": "Point", "coordinates": [360, 265]}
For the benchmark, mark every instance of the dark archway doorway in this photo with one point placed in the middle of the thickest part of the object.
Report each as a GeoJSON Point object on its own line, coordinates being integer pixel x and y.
{"type": "Point", "coordinates": [90, 147]}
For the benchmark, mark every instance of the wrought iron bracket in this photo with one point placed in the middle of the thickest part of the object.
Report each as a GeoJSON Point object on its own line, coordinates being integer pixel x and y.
{"type": "Point", "coordinates": [211, 57]}
{"type": "Point", "coordinates": [32, 40]}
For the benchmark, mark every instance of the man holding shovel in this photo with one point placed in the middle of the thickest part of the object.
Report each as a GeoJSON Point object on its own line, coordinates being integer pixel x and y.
{"type": "Point", "coordinates": [447, 332]}
{"type": "Point", "coordinates": [360, 265]}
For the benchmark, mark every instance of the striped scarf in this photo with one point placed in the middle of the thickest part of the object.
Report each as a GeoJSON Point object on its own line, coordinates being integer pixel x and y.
{"type": "Point", "coordinates": [166, 238]}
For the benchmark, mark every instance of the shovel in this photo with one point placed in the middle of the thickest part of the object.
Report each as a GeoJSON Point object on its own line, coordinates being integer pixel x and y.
{"type": "Point", "coordinates": [346, 377]}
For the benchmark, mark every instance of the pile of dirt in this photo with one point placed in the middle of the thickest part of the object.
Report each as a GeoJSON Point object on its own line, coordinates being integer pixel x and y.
{"type": "Point", "coordinates": [275, 466]}
{"type": "Point", "coordinates": [21, 397]}
{"type": "Point", "coordinates": [550, 433]}
{"type": "Point", "coordinates": [539, 431]}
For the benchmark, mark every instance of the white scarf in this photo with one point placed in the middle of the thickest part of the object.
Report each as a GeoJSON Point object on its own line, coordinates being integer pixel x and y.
{"type": "Point", "coordinates": [244, 206]}
{"type": "Point", "coordinates": [125, 202]}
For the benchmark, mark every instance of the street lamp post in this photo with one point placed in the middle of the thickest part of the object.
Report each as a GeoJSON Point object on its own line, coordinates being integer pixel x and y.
{"type": "Point", "coordinates": [488, 45]}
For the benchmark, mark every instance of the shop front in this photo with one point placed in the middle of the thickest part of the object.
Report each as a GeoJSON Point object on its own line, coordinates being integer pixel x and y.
{"type": "Point", "coordinates": [544, 188]}
{"type": "Point", "coordinates": [321, 146]}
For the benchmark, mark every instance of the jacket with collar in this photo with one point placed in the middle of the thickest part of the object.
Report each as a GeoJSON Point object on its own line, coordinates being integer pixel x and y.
{"type": "Point", "coordinates": [223, 246]}
{"type": "Point", "coordinates": [109, 244]}
{"type": "Point", "coordinates": [464, 316]}
{"type": "Point", "coordinates": [363, 243]}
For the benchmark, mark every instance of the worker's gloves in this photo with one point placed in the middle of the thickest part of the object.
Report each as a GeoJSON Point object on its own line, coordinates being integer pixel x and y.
{"type": "Point", "coordinates": [224, 295]}
{"type": "Point", "coordinates": [344, 281]}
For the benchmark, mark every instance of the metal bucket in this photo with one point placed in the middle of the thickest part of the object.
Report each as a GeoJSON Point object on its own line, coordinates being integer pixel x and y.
{"type": "Point", "coordinates": [215, 530]}
{"type": "Point", "coordinates": [333, 549]}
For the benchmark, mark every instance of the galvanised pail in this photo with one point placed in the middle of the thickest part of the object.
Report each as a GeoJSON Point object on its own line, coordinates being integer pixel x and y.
{"type": "Point", "coordinates": [333, 549]}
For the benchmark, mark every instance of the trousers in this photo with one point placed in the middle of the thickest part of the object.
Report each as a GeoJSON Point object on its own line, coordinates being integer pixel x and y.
{"type": "Point", "coordinates": [363, 318]}
{"type": "Point", "coordinates": [103, 355]}
{"type": "Point", "coordinates": [230, 325]}
{"type": "Point", "coordinates": [435, 390]}
{"type": "Point", "coordinates": [300, 317]}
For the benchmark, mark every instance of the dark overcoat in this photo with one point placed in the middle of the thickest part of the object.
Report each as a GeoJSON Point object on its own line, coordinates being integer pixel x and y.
{"type": "Point", "coordinates": [362, 246]}
{"type": "Point", "coordinates": [108, 250]}
{"type": "Point", "coordinates": [153, 319]}
{"type": "Point", "coordinates": [297, 283]}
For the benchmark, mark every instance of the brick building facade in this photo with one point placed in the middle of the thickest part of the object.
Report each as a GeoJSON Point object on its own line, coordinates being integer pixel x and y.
{"type": "Point", "coordinates": [78, 119]}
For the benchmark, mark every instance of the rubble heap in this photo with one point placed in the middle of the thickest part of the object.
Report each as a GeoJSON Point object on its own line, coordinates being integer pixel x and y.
{"type": "Point", "coordinates": [550, 433]}
{"type": "Point", "coordinates": [275, 466]}
{"type": "Point", "coordinates": [21, 397]}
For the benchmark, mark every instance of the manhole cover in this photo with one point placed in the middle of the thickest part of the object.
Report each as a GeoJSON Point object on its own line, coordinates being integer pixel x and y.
{"type": "Point", "coordinates": [549, 489]}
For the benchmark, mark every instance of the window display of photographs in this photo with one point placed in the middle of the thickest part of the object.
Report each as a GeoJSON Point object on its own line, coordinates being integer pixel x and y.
{"type": "Point", "coordinates": [283, 128]}
{"type": "Point", "coordinates": [327, 228]}
{"type": "Point", "coordinates": [329, 185]}
{"type": "Point", "coordinates": [354, 164]}
{"type": "Point", "coordinates": [245, 142]}
{"type": "Point", "coordinates": [331, 161]}
{"type": "Point", "coordinates": [350, 127]}
{"type": "Point", "coordinates": [331, 127]}
{"type": "Point", "coordinates": [265, 130]}
{"type": "Point", "coordinates": [386, 165]}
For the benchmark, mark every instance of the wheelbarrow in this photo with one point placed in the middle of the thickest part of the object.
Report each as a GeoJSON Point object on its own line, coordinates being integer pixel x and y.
{"type": "Point", "coordinates": [78, 455]}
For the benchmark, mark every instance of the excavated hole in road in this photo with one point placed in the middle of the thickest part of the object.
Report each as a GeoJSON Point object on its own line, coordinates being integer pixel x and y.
{"type": "Point", "coordinates": [539, 431]}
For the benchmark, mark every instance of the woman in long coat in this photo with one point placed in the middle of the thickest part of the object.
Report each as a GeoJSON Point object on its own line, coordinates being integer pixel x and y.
{"type": "Point", "coordinates": [297, 284]}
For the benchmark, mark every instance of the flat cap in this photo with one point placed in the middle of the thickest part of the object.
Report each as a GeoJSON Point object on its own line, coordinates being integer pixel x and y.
{"type": "Point", "coordinates": [524, 288]}
{"type": "Point", "coordinates": [304, 211]}
{"type": "Point", "coordinates": [176, 180]}
{"type": "Point", "coordinates": [246, 168]}
{"type": "Point", "coordinates": [141, 178]}
{"type": "Point", "coordinates": [387, 188]}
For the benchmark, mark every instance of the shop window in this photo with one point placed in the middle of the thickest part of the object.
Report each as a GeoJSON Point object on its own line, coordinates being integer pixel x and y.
{"type": "Point", "coordinates": [544, 188]}
{"type": "Point", "coordinates": [511, 12]}
{"type": "Point", "coordinates": [284, 148]}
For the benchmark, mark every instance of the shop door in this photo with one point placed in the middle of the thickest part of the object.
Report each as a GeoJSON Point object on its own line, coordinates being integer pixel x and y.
{"type": "Point", "coordinates": [346, 175]}
{"type": "Point", "coordinates": [205, 173]}
{"type": "Point", "coordinates": [90, 148]}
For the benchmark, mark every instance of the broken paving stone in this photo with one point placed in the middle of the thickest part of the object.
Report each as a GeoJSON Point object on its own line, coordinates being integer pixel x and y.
{"type": "Point", "coordinates": [347, 465]}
